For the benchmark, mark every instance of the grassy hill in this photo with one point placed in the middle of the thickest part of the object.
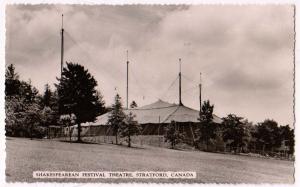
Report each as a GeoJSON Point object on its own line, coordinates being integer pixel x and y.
{"type": "Point", "coordinates": [25, 156]}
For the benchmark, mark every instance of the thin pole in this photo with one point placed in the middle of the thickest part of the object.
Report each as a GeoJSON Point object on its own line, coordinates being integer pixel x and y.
{"type": "Point", "coordinates": [61, 55]}
{"type": "Point", "coordinates": [127, 81]}
{"type": "Point", "coordinates": [200, 96]}
{"type": "Point", "coordinates": [62, 45]}
{"type": "Point", "coordinates": [180, 103]}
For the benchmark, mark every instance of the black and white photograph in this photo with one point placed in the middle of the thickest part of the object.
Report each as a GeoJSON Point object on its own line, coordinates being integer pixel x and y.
{"type": "Point", "coordinates": [136, 93]}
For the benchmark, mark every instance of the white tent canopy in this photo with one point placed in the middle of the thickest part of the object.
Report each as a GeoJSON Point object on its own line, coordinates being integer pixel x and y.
{"type": "Point", "coordinates": [158, 112]}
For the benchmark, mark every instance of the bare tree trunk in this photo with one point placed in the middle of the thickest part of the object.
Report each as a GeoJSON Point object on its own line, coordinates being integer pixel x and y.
{"type": "Point", "coordinates": [206, 144]}
{"type": "Point", "coordinates": [129, 141]}
{"type": "Point", "coordinates": [31, 129]}
{"type": "Point", "coordinates": [116, 138]}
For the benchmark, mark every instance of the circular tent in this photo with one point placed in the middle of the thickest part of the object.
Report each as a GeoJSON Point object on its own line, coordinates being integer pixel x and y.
{"type": "Point", "coordinates": [153, 118]}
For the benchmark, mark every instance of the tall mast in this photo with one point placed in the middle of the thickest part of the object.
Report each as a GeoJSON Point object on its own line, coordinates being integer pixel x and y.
{"type": "Point", "coordinates": [200, 99]}
{"type": "Point", "coordinates": [127, 62]}
{"type": "Point", "coordinates": [62, 45]}
{"type": "Point", "coordinates": [180, 103]}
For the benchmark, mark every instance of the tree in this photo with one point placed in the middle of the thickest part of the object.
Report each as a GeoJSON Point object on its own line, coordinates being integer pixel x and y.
{"type": "Point", "coordinates": [10, 72]}
{"type": "Point", "coordinates": [28, 92]}
{"type": "Point", "coordinates": [287, 135]}
{"type": "Point", "coordinates": [49, 106]}
{"type": "Point", "coordinates": [133, 104]}
{"type": "Point", "coordinates": [12, 82]}
{"type": "Point", "coordinates": [23, 112]}
{"type": "Point", "coordinates": [77, 94]}
{"type": "Point", "coordinates": [32, 119]}
{"type": "Point", "coordinates": [54, 105]}
{"type": "Point", "coordinates": [252, 139]}
{"type": "Point", "coordinates": [47, 117]}
{"type": "Point", "coordinates": [173, 136]}
{"type": "Point", "coordinates": [116, 116]}
{"type": "Point", "coordinates": [23, 119]}
{"type": "Point", "coordinates": [46, 99]}
{"type": "Point", "coordinates": [235, 132]}
{"type": "Point", "coordinates": [268, 135]}
{"type": "Point", "coordinates": [129, 127]}
{"type": "Point", "coordinates": [207, 130]}
{"type": "Point", "coordinates": [14, 105]}
{"type": "Point", "coordinates": [100, 101]}
{"type": "Point", "coordinates": [68, 120]}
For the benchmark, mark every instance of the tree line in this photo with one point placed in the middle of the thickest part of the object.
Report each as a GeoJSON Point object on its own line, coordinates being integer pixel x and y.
{"type": "Point", "coordinates": [237, 133]}
{"type": "Point", "coordinates": [76, 100]}
{"type": "Point", "coordinates": [29, 114]}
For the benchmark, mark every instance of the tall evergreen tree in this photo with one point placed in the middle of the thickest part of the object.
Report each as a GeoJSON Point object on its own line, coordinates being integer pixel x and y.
{"type": "Point", "coordinates": [129, 127]}
{"type": "Point", "coordinates": [173, 136]}
{"type": "Point", "coordinates": [116, 116]}
{"type": "Point", "coordinates": [46, 100]}
{"type": "Point", "coordinates": [77, 94]}
{"type": "Point", "coordinates": [207, 130]}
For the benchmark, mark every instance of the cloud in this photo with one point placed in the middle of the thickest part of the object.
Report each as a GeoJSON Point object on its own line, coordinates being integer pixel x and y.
{"type": "Point", "coordinates": [245, 53]}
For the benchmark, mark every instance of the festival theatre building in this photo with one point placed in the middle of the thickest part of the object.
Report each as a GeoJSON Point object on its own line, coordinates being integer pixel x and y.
{"type": "Point", "coordinates": [153, 119]}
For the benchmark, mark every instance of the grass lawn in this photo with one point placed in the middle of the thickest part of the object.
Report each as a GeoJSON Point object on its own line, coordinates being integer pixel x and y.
{"type": "Point", "coordinates": [23, 156]}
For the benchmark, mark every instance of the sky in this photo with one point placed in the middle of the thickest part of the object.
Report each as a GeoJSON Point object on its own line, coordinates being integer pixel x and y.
{"type": "Point", "coordinates": [244, 52]}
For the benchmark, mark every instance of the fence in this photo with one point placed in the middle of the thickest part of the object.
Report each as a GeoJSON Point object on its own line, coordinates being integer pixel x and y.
{"type": "Point", "coordinates": [159, 141]}
{"type": "Point", "coordinates": [141, 140]}
{"type": "Point", "coordinates": [260, 153]}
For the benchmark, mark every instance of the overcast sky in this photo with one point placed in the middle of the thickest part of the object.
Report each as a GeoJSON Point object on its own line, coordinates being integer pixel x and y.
{"type": "Point", "coordinates": [245, 53]}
